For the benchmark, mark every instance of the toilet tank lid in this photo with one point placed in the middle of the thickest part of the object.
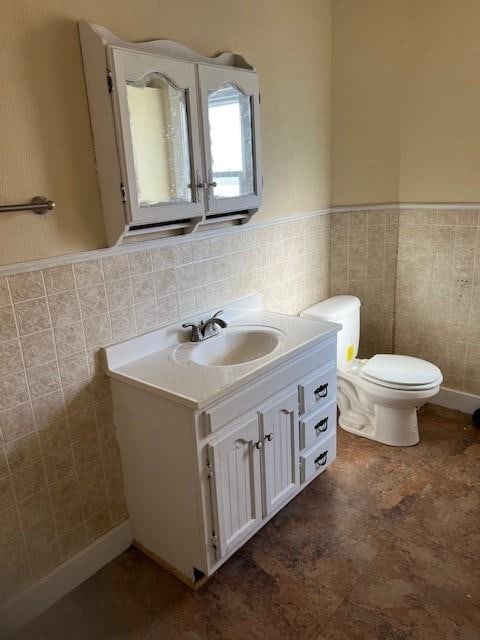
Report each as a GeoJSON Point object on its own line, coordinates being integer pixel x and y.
{"type": "Point", "coordinates": [332, 309]}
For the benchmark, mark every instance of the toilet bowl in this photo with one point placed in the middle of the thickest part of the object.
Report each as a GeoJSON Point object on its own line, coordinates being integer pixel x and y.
{"type": "Point", "coordinates": [378, 397]}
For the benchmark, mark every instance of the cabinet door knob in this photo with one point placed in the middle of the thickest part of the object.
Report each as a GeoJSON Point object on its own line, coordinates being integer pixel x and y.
{"type": "Point", "coordinates": [259, 444]}
{"type": "Point", "coordinates": [269, 437]}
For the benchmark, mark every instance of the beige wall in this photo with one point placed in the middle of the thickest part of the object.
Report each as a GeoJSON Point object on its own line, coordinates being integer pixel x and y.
{"type": "Point", "coordinates": [368, 65]}
{"type": "Point", "coordinates": [46, 145]}
{"type": "Point", "coordinates": [405, 101]}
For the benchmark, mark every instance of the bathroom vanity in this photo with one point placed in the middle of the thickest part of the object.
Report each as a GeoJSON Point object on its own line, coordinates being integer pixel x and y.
{"type": "Point", "coordinates": [217, 436]}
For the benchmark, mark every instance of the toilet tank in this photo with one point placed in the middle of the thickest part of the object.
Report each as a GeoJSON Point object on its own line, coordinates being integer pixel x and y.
{"type": "Point", "coordinates": [344, 310]}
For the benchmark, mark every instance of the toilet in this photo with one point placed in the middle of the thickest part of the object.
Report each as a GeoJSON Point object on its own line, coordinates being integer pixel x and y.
{"type": "Point", "coordinates": [378, 397]}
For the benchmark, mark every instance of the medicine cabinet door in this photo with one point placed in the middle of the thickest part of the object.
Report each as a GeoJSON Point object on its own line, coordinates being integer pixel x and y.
{"type": "Point", "coordinates": [231, 130]}
{"type": "Point", "coordinates": [156, 113]}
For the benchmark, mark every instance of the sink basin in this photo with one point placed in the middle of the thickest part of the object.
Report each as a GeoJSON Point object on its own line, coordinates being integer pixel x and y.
{"type": "Point", "coordinates": [236, 346]}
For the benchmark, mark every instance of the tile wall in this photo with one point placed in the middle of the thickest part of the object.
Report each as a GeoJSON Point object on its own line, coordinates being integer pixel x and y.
{"type": "Point", "coordinates": [437, 310]}
{"type": "Point", "coordinates": [417, 273]}
{"type": "Point", "coordinates": [60, 474]}
{"type": "Point", "coordinates": [363, 263]}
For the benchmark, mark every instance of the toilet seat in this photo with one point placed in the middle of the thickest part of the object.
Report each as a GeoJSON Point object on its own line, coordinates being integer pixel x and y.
{"type": "Point", "coordinates": [401, 372]}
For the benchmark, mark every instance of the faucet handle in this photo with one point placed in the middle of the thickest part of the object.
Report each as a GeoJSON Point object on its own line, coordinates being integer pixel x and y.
{"type": "Point", "coordinates": [217, 313]}
{"type": "Point", "coordinates": [196, 335]}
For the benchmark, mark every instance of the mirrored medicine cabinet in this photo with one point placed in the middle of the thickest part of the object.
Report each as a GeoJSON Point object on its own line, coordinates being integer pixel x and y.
{"type": "Point", "coordinates": [176, 136]}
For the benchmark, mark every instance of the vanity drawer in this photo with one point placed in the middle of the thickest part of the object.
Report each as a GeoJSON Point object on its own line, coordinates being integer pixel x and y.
{"type": "Point", "coordinates": [317, 425]}
{"type": "Point", "coordinates": [317, 458]}
{"type": "Point", "coordinates": [317, 390]}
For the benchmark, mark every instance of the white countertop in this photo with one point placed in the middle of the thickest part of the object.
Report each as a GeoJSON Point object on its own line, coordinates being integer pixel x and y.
{"type": "Point", "coordinates": [159, 362]}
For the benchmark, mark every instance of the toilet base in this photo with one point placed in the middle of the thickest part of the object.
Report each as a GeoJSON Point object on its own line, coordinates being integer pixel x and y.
{"type": "Point", "coordinates": [395, 427]}
{"type": "Point", "coordinates": [385, 415]}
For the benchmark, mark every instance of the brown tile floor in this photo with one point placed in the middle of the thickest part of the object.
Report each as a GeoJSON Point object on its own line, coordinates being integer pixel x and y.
{"type": "Point", "coordinates": [384, 545]}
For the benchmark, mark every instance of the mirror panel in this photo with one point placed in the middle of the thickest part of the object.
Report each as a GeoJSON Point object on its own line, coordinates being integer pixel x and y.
{"type": "Point", "coordinates": [160, 139]}
{"type": "Point", "coordinates": [231, 143]}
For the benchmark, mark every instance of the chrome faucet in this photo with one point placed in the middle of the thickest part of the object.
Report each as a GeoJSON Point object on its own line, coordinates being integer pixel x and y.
{"type": "Point", "coordinates": [207, 329]}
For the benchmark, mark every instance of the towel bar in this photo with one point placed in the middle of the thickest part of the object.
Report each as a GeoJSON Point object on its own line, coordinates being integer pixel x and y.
{"type": "Point", "coordinates": [38, 204]}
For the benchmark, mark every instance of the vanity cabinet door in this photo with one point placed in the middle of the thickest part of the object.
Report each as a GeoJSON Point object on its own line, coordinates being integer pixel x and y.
{"type": "Point", "coordinates": [237, 506]}
{"type": "Point", "coordinates": [231, 130]}
{"type": "Point", "coordinates": [279, 431]}
{"type": "Point", "coordinates": [156, 115]}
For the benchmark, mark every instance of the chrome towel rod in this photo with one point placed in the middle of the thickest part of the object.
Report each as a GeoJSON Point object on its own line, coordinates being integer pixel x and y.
{"type": "Point", "coordinates": [38, 204]}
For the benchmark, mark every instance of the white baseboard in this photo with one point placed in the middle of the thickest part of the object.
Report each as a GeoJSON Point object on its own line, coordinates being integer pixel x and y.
{"type": "Point", "coordinates": [28, 604]}
{"type": "Point", "coordinates": [453, 399]}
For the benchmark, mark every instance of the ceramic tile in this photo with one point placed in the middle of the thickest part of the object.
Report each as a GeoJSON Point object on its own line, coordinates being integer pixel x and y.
{"type": "Point", "coordinates": [9, 524]}
{"type": "Point", "coordinates": [69, 339]}
{"type": "Point", "coordinates": [45, 560]}
{"type": "Point", "coordinates": [58, 279]}
{"type": "Point", "coordinates": [38, 348]}
{"type": "Point", "coordinates": [64, 308]}
{"type": "Point", "coordinates": [162, 258]}
{"type": "Point", "coordinates": [73, 368]}
{"type": "Point", "coordinates": [93, 300]}
{"type": "Point", "coordinates": [115, 267]}
{"type": "Point", "coordinates": [123, 323]}
{"type": "Point", "coordinates": [16, 422]}
{"type": "Point", "coordinates": [58, 463]}
{"type": "Point", "coordinates": [32, 316]}
{"type": "Point", "coordinates": [143, 287]}
{"type": "Point", "coordinates": [34, 509]}
{"type": "Point", "coordinates": [22, 452]}
{"type": "Point", "coordinates": [119, 294]}
{"type": "Point", "coordinates": [4, 292]}
{"type": "Point", "coordinates": [12, 553]}
{"type": "Point", "coordinates": [10, 357]}
{"type": "Point", "coordinates": [25, 286]}
{"type": "Point", "coordinates": [64, 492]}
{"type": "Point", "coordinates": [29, 480]}
{"type": "Point", "coordinates": [43, 379]}
{"type": "Point", "coordinates": [98, 524]}
{"type": "Point", "coordinates": [98, 331]}
{"type": "Point", "coordinates": [13, 391]}
{"type": "Point", "coordinates": [140, 262]}
{"type": "Point", "coordinates": [40, 536]}
{"type": "Point", "coordinates": [146, 315]}
{"type": "Point", "coordinates": [69, 516]}
{"type": "Point", "coordinates": [73, 541]}
{"type": "Point", "coordinates": [54, 436]}
{"type": "Point", "coordinates": [82, 423]}
{"type": "Point", "coordinates": [7, 496]}
{"type": "Point", "coordinates": [49, 409]}
{"type": "Point", "coordinates": [8, 329]}
{"type": "Point", "coordinates": [88, 273]}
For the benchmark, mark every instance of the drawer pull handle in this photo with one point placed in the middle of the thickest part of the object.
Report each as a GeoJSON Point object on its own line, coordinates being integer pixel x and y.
{"type": "Point", "coordinates": [322, 426]}
{"type": "Point", "coordinates": [321, 461]}
{"type": "Point", "coordinates": [321, 391]}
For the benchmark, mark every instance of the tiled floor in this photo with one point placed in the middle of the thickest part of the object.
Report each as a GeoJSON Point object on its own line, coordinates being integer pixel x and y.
{"type": "Point", "coordinates": [384, 545]}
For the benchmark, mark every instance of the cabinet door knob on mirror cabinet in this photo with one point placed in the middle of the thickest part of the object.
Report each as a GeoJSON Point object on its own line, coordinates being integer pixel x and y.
{"type": "Point", "coordinates": [269, 437]}
{"type": "Point", "coordinates": [259, 445]}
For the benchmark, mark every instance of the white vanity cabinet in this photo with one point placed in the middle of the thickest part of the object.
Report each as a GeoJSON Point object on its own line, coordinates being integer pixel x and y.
{"type": "Point", "coordinates": [201, 480]}
{"type": "Point", "coordinates": [176, 136]}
